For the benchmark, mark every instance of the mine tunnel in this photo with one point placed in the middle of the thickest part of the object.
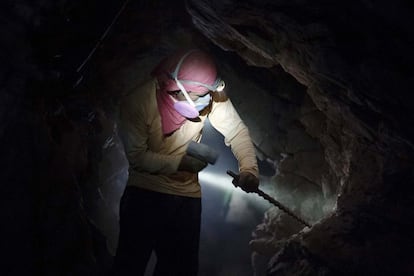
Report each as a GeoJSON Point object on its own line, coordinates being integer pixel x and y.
{"type": "Point", "coordinates": [324, 87]}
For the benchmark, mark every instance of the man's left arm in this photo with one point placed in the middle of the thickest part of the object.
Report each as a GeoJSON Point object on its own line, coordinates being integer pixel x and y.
{"type": "Point", "coordinates": [227, 121]}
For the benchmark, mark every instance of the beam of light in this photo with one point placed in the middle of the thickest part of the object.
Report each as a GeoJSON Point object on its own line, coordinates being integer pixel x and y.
{"type": "Point", "coordinates": [224, 183]}
{"type": "Point", "coordinates": [221, 181]}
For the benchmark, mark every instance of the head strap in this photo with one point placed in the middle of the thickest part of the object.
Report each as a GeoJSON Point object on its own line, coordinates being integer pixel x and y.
{"type": "Point", "coordinates": [174, 75]}
{"type": "Point", "coordinates": [217, 86]}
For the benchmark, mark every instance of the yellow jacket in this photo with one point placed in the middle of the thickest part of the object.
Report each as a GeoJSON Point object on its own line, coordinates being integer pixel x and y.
{"type": "Point", "coordinates": [154, 158]}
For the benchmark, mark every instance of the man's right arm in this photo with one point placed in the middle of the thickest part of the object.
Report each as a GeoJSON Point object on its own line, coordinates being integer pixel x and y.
{"type": "Point", "coordinates": [134, 132]}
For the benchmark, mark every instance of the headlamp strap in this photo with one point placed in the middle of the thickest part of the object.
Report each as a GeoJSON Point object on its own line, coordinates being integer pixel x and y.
{"type": "Point", "coordinates": [179, 84]}
{"type": "Point", "coordinates": [217, 86]}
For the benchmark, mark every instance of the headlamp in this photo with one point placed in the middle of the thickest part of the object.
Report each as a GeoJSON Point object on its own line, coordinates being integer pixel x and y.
{"type": "Point", "coordinates": [220, 86]}
{"type": "Point", "coordinates": [217, 86]}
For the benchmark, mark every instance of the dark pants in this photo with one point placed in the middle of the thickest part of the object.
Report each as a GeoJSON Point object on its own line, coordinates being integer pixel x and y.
{"type": "Point", "coordinates": [167, 224]}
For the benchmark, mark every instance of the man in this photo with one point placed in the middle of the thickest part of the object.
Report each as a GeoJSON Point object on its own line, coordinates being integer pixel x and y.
{"type": "Point", "coordinates": [161, 206]}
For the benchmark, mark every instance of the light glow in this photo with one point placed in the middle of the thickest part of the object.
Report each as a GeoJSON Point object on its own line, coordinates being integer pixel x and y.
{"type": "Point", "coordinates": [221, 181]}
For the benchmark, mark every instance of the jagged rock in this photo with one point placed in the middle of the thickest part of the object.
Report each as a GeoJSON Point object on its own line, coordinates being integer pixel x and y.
{"type": "Point", "coordinates": [334, 90]}
{"type": "Point", "coordinates": [295, 259]}
{"type": "Point", "coordinates": [349, 67]}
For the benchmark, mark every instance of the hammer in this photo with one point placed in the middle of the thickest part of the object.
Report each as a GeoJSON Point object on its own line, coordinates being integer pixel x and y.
{"type": "Point", "coordinates": [202, 152]}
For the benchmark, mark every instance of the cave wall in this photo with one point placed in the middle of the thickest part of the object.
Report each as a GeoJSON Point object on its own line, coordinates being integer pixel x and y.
{"type": "Point", "coordinates": [51, 135]}
{"type": "Point", "coordinates": [331, 84]}
{"type": "Point", "coordinates": [353, 59]}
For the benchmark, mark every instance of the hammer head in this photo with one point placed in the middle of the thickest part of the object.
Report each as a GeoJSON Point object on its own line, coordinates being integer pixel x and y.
{"type": "Point", "coordinates": [202, 152]}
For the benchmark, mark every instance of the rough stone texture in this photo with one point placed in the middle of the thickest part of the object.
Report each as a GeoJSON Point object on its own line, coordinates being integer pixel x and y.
{"type": "Point", "coordinates": [44, 134]}
{"type": "Point", "coordinates": [345, 53]}
{"type": "Point", "coordinates": [325, 88]}
{"type": "Point", "coordinates": [353, 58]}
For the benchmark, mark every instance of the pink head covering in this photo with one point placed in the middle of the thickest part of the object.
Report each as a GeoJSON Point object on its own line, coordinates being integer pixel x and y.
{"type": "Point", "coordinates": [195, 70]}
{"type": "Point", "coordinates": [196, 66]}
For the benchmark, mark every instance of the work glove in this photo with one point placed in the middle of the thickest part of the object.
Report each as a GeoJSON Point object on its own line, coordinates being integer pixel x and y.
{"type": "Point", "coordinates": [247, 182]}
{"type": "Point", "coordinates": [191, 164]}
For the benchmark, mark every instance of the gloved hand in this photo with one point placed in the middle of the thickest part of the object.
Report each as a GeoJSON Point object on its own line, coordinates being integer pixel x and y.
{"type": "Point", "coordinates": [191, 164]}
{"type": "Point", "coordinates": [247, 182]}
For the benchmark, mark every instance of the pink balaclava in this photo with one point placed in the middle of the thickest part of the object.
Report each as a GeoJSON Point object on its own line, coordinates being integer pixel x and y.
{"type": "Point", "coordinates": [195, 72]}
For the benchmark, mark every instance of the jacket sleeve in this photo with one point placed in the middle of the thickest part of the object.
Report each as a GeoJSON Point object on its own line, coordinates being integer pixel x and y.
{"type": "Point", "coordinates": [134, 127]}
{"type": "Point", "coordinates": [227, 121]}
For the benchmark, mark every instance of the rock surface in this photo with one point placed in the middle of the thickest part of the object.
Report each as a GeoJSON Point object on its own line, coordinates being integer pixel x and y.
{"type": "Point", "coordinates": [325, 89]}
{"type": "Point", "coordinates": [346, 56]}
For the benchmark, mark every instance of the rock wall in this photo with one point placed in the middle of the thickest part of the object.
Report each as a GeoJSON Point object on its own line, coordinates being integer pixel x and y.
{"type": "Point", "coordinates": [353, 59]}
{"type": "Point", "coordinates": [324, 88]}
{"type": "Point", "coordinates": [46, 133]}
